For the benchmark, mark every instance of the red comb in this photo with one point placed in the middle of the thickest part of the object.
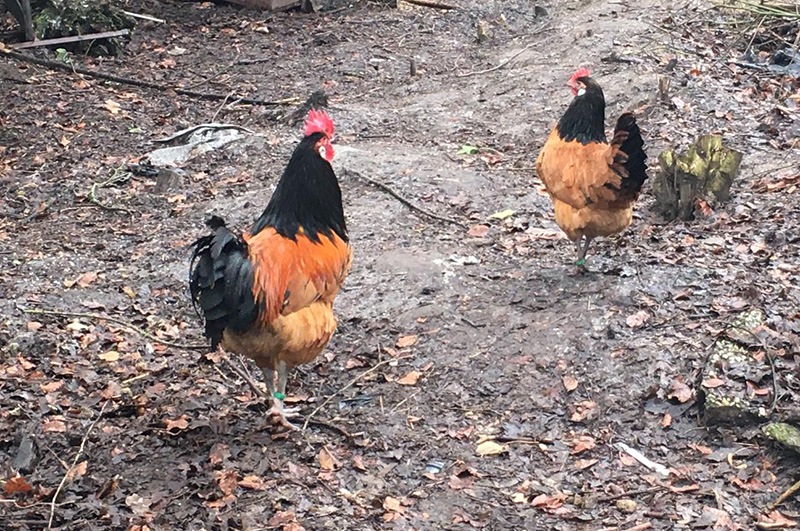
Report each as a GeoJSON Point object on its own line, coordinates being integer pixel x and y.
{"type": "Point", "coordinates": [581, 72]}
{"type": "Point", "coordinates": [318, 122]}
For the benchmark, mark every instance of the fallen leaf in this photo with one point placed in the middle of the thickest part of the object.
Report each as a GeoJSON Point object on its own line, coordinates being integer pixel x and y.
{"type": "Point", "coordinates": [18, 485]}
{"type": "Point", "coordinates": [77, 471]}
{"type": "Point", "coordinates": [127, 290]}
{"type": "Point", "coordinates": [54, 426]}
{"type": "Point", "coordinates": [666, 421]}
{"type": "Point", "coordinates": [713, 383]}
{"type": "Point", "coordinates": [52, 386]}
{"type": "Point", "coordinates": [680, 392]}
{"type": "Point", "coordinates": [219, 453]}
{"type": "Point", "coordinates": [503, 214]}
{"type": "Point", "coordinates": [406, 341]}
{"type": "Point", "coordinates": [478, 231]}
{"type": "Point", "coordinates": [393, 505]}
{"type": "Point", "coordinates": [410, 379]}
{"type": "Point", "coordinates": [326, 460]}
{"type": "Point", "coordinates": [583, 410]}
{"type": "Point", "coordinates": [281, 518]}
{"type": "Point", "coordinates": [252, 483]}
{"type": "Point", "coordinates": [570, 383]}
{"type": "Point", "coordinates": [227, 481]}
{"type": "Point", "coordinates": [179, 424]}
{"type": "Point", "coordinates": [490, 448]}
{"type": "Point", "coordinates": [583, 464]}
{"type": "Point", "coordinates": [111, 355]}
{"type": "Point", "coordinates": [33, 326]}
{"type": "Point", "coordinates": [111, 106]}
{"type": "Point", "coordinates": [638, 319]}
{"type": "Point", "coordinates": [582, 444]}
{"type": "Point", "coordinates": [775, 520]}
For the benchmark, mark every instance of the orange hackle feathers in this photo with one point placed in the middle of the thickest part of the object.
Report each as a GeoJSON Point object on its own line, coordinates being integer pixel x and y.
{"type": "Point", "coordinates": [318, 122]}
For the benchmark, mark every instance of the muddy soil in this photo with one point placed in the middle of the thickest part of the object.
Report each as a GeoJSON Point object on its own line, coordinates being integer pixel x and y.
{"type": "Point", "coordinates": [453, 343]}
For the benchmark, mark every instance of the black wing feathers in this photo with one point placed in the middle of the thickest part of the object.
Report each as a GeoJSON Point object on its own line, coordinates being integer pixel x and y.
{"type": "Point", "coordinates": [221, 282]}
{"type": "Point", "coordinates": [631, 163]}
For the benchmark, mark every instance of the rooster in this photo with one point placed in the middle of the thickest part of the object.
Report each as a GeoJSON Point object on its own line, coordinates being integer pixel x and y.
{"type": "Point", "coordinates": [268, 294]}
{"type": "Point", "coordinates": [593, 184]}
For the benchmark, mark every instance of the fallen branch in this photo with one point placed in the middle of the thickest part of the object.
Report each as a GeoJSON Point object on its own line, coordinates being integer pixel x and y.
{"type": "Point", "coordinates": [630, 494]}
{"type": "Point", "coordinates": [616, 58]}
{"type": "Point", "coordinates": [428, 3]}
{"type": "Point", "coordinates": [786, 495]}
{"type": "Point", "coordinates": [143, 333]}
{"type": "Point", "coordinates": [389, 190]}
{"type": "Point", "coordinates": [503, 63]}
{"type": "Point", "coordinates": [145, 17]}
{"type": "Point", "coordinates": [213, 125]}
{"type": "Point", "coordinates": [134, 82]}
{"type": "Point", "coordinates": [350, 384]}
{"type": "Point", "coordinates": [72, 467]}
{"type": "Point", "coordinates": [67, 40]}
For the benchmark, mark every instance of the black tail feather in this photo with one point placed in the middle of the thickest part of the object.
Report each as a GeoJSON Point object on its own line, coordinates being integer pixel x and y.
{"type": "Point", "coordinates": [221, 282]}
{"type": "Point", "coordinates": [629, 138]}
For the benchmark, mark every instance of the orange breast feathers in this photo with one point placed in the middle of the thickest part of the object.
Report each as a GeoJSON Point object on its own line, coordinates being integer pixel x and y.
{"type": "Point", "coordinates": [290, 275]}
{"type": "Point", "coordinates": [582, 175]}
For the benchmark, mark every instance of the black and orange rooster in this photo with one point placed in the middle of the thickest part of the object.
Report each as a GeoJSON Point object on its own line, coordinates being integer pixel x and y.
{"type": "Point", "coordinates": [593, 184]}
{"type": "Point", "coordinates": [268, 294]}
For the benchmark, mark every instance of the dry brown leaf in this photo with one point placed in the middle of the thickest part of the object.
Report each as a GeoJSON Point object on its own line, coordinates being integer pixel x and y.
{"type": "Point", "coordinates": [18, 485]}
{"type": "Point", "coordinates": [111, 355]}
{"type": "Point", "coordinates": [478, 231]}
{"type": "Point", "coordinates": [227, 481]}
{"type": "Point", "coordinates": [666, 420]}
{"type": "Point", "coordinates": [326, 460]}
{"type": "Point", "coordinates": [775, 520]}
{"type": "Point", "coordinates": [570, 383]}
{"type": "Point", "coordinates": [583, 464]}
{"type": "Point", "coordinates": [490, 448]}
{"type": "Point", "coordinates": [638, 319]}
{"type": "Point", "coordinates": [54, 426]}
{"type": "Point", "coordinates": [406, 341]}
{"type": "Point", "coordinates": [52, 386]}
{"type": "Point", "coordinates": [179, 424]}
{"type": "Point", "coordinates": [410, 379]}
{"type": "Point", "coordinates": [218, 454]}
{"type": "Point", "coordinates": [252, 483]}
{"type": "Point", "coordinates": [77, 471]}
{"type": "Point", "coordinates": [713, 383]}
{"type": "Point", "coordinates": [393, 505]}
{"type": "Point", "coordinates": [112, 106]}
{"type": "Point", "coordinates": [582, 444]}
{"type": "Point", "coordinates": [127, 290]}
{"type": "Point", "coordinates": [680, 392]}
{"type": "Point", "coordinates": [281, 518]}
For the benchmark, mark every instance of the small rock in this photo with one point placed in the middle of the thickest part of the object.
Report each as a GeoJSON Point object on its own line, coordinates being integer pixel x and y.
{"type": "Point", "coordinates": [626, 505]}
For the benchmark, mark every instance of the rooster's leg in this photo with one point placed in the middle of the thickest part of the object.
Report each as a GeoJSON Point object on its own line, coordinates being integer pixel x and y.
{"type": "Point", "coordinates": [278, 395]}
{"type": "Point", "coordinates": [582, 251]}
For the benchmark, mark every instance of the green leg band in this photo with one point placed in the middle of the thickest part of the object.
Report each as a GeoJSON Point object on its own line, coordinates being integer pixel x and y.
{"type": "Point", "coordinates": [279, 396]}
{"type": "Point", "coordinates": [581, 262]}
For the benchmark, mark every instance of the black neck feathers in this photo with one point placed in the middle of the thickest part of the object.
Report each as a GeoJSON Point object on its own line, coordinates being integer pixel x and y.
{"type": "Point", "coordinates": [585, 118]}
{"type": "Point", "coordinates": [307, 196]}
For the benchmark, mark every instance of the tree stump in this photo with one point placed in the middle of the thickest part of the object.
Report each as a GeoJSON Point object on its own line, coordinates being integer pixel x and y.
{"type": "Point", "coordinates": [704, 172]}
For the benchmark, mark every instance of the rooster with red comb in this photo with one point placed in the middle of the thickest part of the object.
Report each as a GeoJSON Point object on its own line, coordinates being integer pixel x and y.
{"type": "Point", "coordinates": [593, 183]}
{"type": "Point", "coordinates": [268, 293]}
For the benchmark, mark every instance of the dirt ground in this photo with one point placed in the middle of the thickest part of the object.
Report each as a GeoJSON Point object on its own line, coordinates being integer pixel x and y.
{"type": "Point", "coordinates": [452, 344]}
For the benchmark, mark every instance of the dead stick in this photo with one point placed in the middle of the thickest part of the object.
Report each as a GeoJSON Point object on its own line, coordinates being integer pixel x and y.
{"type": "Point", "coordinates": [350, 384]}
{"type": "Point", "coordinates": [786, 495]}
{"type": "Point", "coordinates": [119, 322]}
{"type": "Point", "coordinates": [428, 3]}
{"type": "Point", "coordinates": [389, 190]}
{"type": "Point", "coordinates": [135, 82]}
{"type": "Point", "coordinates": [506, 61]}
{"type": "Point", "coordinates": [73, 38]}
{"type": "Point", "coordinates": [72, 467]}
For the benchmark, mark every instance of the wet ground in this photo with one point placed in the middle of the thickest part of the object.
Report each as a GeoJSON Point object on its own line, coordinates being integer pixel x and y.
{"type": "Point", "coordinates": [472, 382]}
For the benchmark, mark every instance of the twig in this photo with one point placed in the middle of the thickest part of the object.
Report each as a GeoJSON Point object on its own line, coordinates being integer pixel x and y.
{"type": "Point", "coordinates": [72, 467]}
{"type": "Point", "coordinates": [350, 384]}
{"type": "Point", "coordinates": [786, 495]}
{"type": "Point", "coordinates": [639, 456]}
{"type": "Point", "coordinates": [221, 105]}
{"type": "Point", "coordinates": [145, 17]}
{"type": "Point", "coordinates": [630, 494]}
{"type": "Point", "coordinates": [132, 328]}
{"type": "Point", "coordinates": [389, 190]}
{"type": "Point", "coordinates": [616, 58]}
{"type": "Point", "coordinates": [428, 3]}
{"type": "Point", "coordinates": [73, 38]}
{"type": "Point", "coordinates": [246, 377]}
{"type": "Point", "coordinates": [503, 63]}
{"type": "Point", "coordinates": [135, 82]}
{"type": "Point", "coordinates": [769, 359]}
{"type": "Point", "coordinates": [213, 125]}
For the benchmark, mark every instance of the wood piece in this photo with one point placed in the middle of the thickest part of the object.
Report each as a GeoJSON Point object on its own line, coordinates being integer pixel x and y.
{"type": "Point", "coordinates": [704, 172]}
{"type": "Point", "coordinates": [429, 3]}
{"type": "Point", "coordinates": [270, 5]}
{"type": "Point", "coordinates": [73, 38]}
